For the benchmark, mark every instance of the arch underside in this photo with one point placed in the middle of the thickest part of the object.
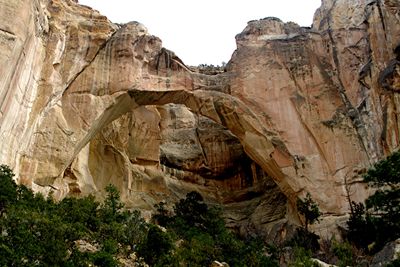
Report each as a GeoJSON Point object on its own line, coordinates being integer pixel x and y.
{"type": "Point", "coordinates": [94, 154]}
{"type": "Point", "coordinates": [230, 112]}
{"type": "Point", "coordinates": [162, 160]}
{"type": "Point", "coordinates": [223, 109]}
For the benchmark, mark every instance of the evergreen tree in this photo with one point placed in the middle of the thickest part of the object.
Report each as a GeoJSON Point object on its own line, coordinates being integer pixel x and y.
{"type": "Point", "coordinates": [37, 231]}
{"type": "Point", "coordinates": [385, 202]}
{"type": "Point", "coordinates": [113, 200]}
{"type": "Point", "coordinates": [303, 237]}
{"type": "Point", "coordinates": [378, 221]}
{"type": "Point", "coordinates": [8, 188]}
{"type": "Point", "coordinates": [309, 209]}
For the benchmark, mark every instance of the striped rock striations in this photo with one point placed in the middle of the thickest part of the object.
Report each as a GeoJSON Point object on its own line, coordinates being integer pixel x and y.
{"type": "Point", "coordinates": [85, 102]}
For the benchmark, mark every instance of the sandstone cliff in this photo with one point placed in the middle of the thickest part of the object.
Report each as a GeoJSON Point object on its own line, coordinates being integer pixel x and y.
{"type": "Point", "coordinates": [85, 102]}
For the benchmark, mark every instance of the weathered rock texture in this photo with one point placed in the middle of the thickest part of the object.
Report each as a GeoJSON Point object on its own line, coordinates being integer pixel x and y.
{"type": "Point", "coordinates": [85, 102]}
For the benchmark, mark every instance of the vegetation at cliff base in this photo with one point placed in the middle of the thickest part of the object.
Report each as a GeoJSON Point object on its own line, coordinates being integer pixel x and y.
{"type": "Point", "coordinates": [373, 224]}
{"type": "Point", "coordinates": [303, 237]}
{"type": "Point", "coordinates": [37, 231]}
{"type": "Point", "coordinates": [203, 237]}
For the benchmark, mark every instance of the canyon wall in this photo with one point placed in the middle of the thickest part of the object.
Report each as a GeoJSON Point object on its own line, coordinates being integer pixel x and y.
{"type": "Point", "coordinates": [85, 103]}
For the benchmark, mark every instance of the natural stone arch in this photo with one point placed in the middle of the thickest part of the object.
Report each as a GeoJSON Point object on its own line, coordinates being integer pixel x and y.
{"type": "Point", "coordinates": [108, 88]}
{"type": "Point", "coordinates": [235, 116]}
{"type": "Point", "coordinates": [224, 109]}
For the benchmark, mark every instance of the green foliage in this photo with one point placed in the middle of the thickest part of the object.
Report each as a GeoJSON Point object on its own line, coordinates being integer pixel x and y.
{"type": "Point", "coordinates": [309, 209]}
{"type": "Point", "coordinates": [192, 210]}
{"type": "Point", "coordinates": [36, 231]}
{"type": "Point", "coordinates": [81, 213]}
{"type": "Point", "coordinates": [79, 259]}
{"type": "Point", "coordinates": [199, 250]}
{"type": "Point", "coordinates": [303, 237]}
{"type": "Point", "coordinates": [385, 172]}
{"type": "Point", "coordinates": [361, 230]}
{"type": "Point", "coordinates": [30, 232]}
{"type": "Point", "coordinates": [112, 206]}
{"type": "Point", "coordinates": [385, 202]}
{"type": "Point", "coordinates": [33, 236]}
{"type": "Point", "coordinates": [156, 246]}
{"type": "Point", "coordinates": [253, 253]}
{"type": "Point", "coordinates": [203, 237]}
{"type": "Point", "coordinates": [302, 258]}
{"type": "Point", "coordinates": [379, 222]}
{"type": "Point", "coordinates": [135, 230]}
{"type": "Point", "coordinates": [162, 216]}
{"type": "Point", "coordinates": [340, 253]}
{"type": "Point", "coordinates": [104, 259]}
{"type": "Point", "coordinates": [7, 187]}
{"type": "Point", "coordinates": [344, 252]}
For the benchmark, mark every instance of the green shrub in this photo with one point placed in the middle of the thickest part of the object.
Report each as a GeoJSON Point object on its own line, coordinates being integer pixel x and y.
{"type": "Point", "coordinates": [112, 205]}
{"type": "Point", "coordinates": [162, 216]}
{"type": "Point", "coordinates": [156, 246]}
{"type": "Point", "coordinates": [361, 230]}
{"type": "Point", "coordinates": [37, 231]}
{"type": "Point", "coordinates": [203, 237]}
{"type": "Point", "coordinates": [200, 250]}
{"type": "Point", "coordinates": [104, 259]}
{"type": "Point", "coordinates": [135, 230]}
{"type": "Point", "coordinates": [303, 237]}
{"type": "Point", "coordinates": [192, 210]}
{"type": "Point", "coordinates": [379, 222]}
{"type": "Point", "coordinates": [302, 258]}
{"type": "Point", "coordinates": [344, 252]}
{"type": "Point", "coordinates": [8, 188]}
{"type": "Point", "coordinates": [309, 209]}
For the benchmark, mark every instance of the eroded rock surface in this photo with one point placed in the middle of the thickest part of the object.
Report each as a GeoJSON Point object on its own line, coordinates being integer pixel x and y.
{"type": "Point", "coordinates": [85, 103]}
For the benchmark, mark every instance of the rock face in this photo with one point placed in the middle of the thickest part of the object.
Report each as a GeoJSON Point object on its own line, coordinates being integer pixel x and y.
{"type": "Point", "coordinates": [389, 253]}
{"type": "Point", "coordinates": [85, 103]}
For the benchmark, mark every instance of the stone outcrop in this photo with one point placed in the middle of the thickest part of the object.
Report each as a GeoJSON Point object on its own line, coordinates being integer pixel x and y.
{"type": "Point", "coordinates": [85, 103]}
{"type": "Point", "coordinates": [390, 252]}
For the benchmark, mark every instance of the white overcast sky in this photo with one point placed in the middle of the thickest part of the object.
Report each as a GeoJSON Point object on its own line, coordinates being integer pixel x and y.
{"type": "Point", "coordinates": [202, 31]}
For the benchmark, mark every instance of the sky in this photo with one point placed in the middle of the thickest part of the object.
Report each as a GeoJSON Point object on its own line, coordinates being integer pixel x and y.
{"type": "Point", "coordinates": [202, 32]}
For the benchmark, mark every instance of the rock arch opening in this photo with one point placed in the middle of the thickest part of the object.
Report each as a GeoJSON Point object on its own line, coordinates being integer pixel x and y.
{"type": "Point", "coordinates": [136, 152]}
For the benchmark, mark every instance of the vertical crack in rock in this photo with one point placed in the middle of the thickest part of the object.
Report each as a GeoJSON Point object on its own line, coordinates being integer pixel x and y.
{"type": "Point", "coordinates": [352, 112]}
{"type": "Point", "coordinates": [365, 71]}
{"type": "Point", "coordinates": [378, 4]}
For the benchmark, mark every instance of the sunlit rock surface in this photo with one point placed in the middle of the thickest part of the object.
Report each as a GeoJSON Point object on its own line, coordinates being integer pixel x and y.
{"type": "Point", "coordinates": [85, 102]}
